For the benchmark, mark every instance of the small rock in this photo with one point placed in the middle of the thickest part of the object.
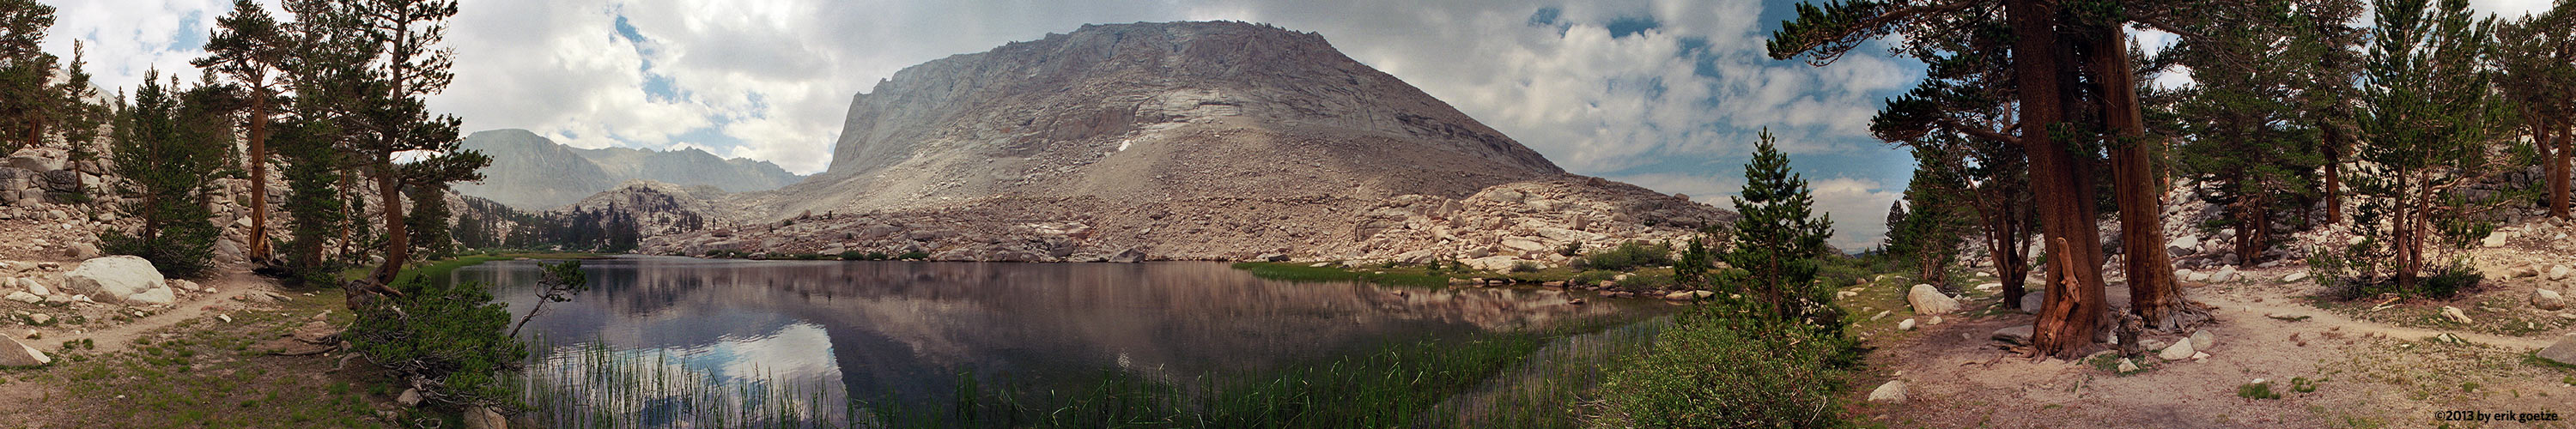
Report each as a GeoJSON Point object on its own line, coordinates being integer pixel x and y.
{"type": "Point", "coordinates": [2016, 334]}
{"type": "Point", "coordinates": [40, 318]}
{"type": "Point", "coordinates": [484, 418]}
{"type": "Point", "coordinates": [2179, 351]}
{"type": "Point", "coordinates": [2031, 302]}
{"type": "Point", "coordinates": [2128, 366]}
{"type": "Point", "coordinates": [227, 318]}
{"type": "Point", "coordinates": [1928, 300]}
{"type": "Point", "coordinates": [2523, 271]}
{"type": "Point", "coordinates": [1680, 296]}
{"type": "Point", "coordinates": [2294, 277]}
{"type": "Point", "coordinates": [2563, 352]}
{"type": "Point", "coordinates": [23, 296]}
{"type": "Point", "coordinates": [2199, 355]}
{"type": "Point", "coordinates": [2225, 274]}
{"type": "Point", "coordinates": [1881, 314]}
{"type": "Point", "coordinates": [2453, 313]}
{"type": "Point", "coordinates": [1936, 320]}
{"type": "Point", "coordinates": [2203, 340]}
{"type": "Point", "coordinates": [2547, 300]}
{"type": "Point", "coordinates": [1893, 391]}
{"type": "Point", "coordinates": [409, 398]}
{"type": "Point", "coordinates": [2560, 272]}
{"type": "Point", "coordinates": [19, 354]}
{"type": "Point", "coordinates": [1845, 294]}
{"type": "Point", "coordinates": [1905, 325]}
{"type": "Point", "coordinates": [2493, 240]}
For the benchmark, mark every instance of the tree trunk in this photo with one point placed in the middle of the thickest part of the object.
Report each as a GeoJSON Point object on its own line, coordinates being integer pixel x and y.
{"type": "Point", "coordinates": [2334, 174]}
{"type": "Point", "coordinates": [2559, 160]}
{"type": "Point", "coordinates": [258, 158]}
{"type": "Point", "coordinates": [2074, 307]}
{"type": "Point", "coordinates": [397, 240]}
{"type": "Point", "coordinates": [2152, 295]}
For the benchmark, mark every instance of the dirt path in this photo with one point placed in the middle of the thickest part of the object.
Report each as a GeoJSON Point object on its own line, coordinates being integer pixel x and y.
{"type": "Point", "coordinates": [1958, 378]}
{"type": "Point", "coordinates": [232, 284]}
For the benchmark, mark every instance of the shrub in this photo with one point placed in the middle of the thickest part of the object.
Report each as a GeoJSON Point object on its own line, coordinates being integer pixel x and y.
{"type": "Point", "coordinates": [2256, 391]}
{"type": "Point", "coordinates": [2348, 274]}
{"type": "Point", "coordinates": [1592, 277]}
{"type": "Point", "coordinates": [448, 340]}
{"type": "Point", "coordinates": [1571, 249]}
{"type": "Point", "coordinates": [1629, 255]}
{"type": "Point", "coordinates": [1524, 267]}
{"type": "Point", "coordinates": [1714, 369]}
{"type": "Point", "coordinates": [182, 251]}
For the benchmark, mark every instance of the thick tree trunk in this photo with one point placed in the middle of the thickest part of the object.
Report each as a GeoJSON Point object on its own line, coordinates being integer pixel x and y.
{"type": "Point", "coordinates": [397, 239]}
{"type": "Point", "coordinates": [2075, 305]}
{"type": "Point", "coordinates": [258, 158]}
{"type": "Point", "coordinates": [2152, 295]}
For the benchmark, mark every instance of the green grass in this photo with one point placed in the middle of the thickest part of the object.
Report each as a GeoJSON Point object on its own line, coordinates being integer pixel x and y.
{"type": "Point", "coordinates": [1302, 272]}
{"type": "Point", "coordinates": [2256, 391]}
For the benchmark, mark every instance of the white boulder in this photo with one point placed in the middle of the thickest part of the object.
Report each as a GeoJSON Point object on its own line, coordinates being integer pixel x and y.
{"type": "Point", "coordinates": [2453, 313]}
{"type": "Point", "coordinates": [1927, 300]}
{"type": "Point", "coordinates": [122, 277]}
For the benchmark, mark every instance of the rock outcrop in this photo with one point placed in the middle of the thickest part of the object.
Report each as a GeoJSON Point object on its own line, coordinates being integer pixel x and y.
{"type": "Point", "coordinates": [1201, 140]}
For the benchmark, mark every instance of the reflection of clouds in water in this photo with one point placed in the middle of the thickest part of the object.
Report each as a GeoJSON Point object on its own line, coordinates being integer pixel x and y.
{"type": "Point", "coordinates": [909, 328]}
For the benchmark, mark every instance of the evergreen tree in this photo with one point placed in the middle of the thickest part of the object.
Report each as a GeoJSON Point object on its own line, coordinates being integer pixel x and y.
{"type": "Point", "coordinates": [2536, 56]}
{"type": "Point", "coordinates": [2248, 148]}
{"type": "Point", "coordinates": [429, 220]}
{"type": "Point", "coordinates": [28, 100]}
{"type": "Point", "coordinates": [1927, 236]}
{"type": "Point", "coordinates": [1780, 242]}
{"type": "Point", "coordinates": [2430, 116]}
{"type": "Point", "coordinates": [169, 146]}
{"type": "Point", "coordinates": [249, 47]}
{"type": "Point", "coordinates": [402, 65]}
{"type": "Point", "coordinates": [82, 119]}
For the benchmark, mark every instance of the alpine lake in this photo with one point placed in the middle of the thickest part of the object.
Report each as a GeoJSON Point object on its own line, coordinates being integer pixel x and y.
{"type": "Point", "coordinates": [685, 342]}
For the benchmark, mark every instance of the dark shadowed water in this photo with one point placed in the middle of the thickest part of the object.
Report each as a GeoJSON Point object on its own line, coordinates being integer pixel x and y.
{"type": "Point", "coordinates": [817, 334]}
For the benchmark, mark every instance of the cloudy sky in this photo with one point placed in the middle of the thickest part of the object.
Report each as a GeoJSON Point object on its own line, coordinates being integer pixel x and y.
{"type": "Point", "coordinates": [1666, 94]}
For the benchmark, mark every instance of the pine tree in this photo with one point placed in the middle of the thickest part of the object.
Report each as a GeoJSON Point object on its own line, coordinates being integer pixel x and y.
{"type": "Point", "coordinates": [1780, 242]}
{"type": "Point", "coordinates": [249, 47]}
{"type": "Point", "coordinates": [403, 65]}
{"type": "Point", "coordinates": [2430, 115]}
{"type": "Point", "coordinates": [2536, 56]}
{"type": "Point", "coordinates": [1926, 237]}
{"type": "Point", "coordinates": [2248, 148]}
{"type": "Point", "coordinates": [429, 221]}
{"type": "Point", "coordinates": [28, 100]}
{"type": "Point", "coordinates": [169, 146]}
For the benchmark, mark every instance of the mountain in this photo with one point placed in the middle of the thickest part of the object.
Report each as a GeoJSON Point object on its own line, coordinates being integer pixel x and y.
{"type": "Point", "coordinates": [531, 172]}
{"type": "Point", "coordinates": [1191, 140]}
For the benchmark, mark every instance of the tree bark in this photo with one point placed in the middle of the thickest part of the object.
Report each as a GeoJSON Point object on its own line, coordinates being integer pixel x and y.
{"type": "Point", "coordinates": [397, 240]}
{"type": "Point", "coordinates": [258, 158]}
{"type": "Point", "coordinates": [2559, 160]}
{"type": "Point", "coordinates": [2152, 295]}
{"type": "Point", "coordinates": [2075, 305]}
{"type": "Point", "coordinates": [2334, 174]}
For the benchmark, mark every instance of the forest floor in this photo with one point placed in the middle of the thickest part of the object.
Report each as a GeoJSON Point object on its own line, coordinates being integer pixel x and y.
{"type": "Point", "coordinates": [2363, 363]}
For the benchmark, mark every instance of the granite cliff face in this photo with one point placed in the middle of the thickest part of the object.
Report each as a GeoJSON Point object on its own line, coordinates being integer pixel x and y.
{"type": "Point", "coordinates": [532, 173]}
{"type": "Point", "coordinates": [1198, 140]}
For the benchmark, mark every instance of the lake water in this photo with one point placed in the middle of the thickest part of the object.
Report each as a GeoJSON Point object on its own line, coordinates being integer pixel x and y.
{"type": "Point", "coordinates": [666, 341]}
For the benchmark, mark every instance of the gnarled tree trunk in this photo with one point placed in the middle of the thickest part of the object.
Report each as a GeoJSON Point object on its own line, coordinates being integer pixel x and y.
{"type": "Point", "coordinates": [2075, 305]}
{"type": "Point", "coordinates": [2152, 295]}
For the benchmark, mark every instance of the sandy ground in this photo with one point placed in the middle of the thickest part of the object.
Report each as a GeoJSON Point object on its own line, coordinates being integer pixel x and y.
{"type": "Point", "coordinates": [2365, 373]}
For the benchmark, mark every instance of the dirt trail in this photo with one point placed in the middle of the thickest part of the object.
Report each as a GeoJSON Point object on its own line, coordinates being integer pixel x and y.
{"type": "Point", "coordinates": [1958, 378]}
{"type": "Point", "coordinates": [232, 284]}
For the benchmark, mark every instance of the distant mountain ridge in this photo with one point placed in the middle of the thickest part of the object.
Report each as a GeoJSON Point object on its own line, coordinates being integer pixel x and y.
{"type": "Point", "coordinates": [533, 173]}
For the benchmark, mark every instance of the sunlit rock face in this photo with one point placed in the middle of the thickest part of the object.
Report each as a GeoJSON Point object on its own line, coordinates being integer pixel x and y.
{"type": "Point", "coordinates": [1194, 140]}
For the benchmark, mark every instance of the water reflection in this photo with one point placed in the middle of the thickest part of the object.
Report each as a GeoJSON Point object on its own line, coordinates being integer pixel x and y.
{"type": "Point", "coordinates": [909, 328]}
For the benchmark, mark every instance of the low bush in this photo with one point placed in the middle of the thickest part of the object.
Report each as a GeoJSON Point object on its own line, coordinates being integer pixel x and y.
{"type": "Point", "coordinates": [1714, 368]}
{"type": "Point", "coordinates": [450, 340]}
{"type": "Point", "coordinates": [1630, 255]}
{"type": "Point", "coordinates": [176, 252]}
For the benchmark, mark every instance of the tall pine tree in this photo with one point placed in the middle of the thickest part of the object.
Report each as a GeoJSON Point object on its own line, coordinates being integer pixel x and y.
{"type": "Point", "coordinates": [248, 47]}
{"type": "Point", "coordinates": [1780, 242]}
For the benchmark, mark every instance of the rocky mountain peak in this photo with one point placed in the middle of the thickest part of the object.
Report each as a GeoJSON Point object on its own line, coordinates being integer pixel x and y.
{"type": "Point", "coordinates": [1152, 109]}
